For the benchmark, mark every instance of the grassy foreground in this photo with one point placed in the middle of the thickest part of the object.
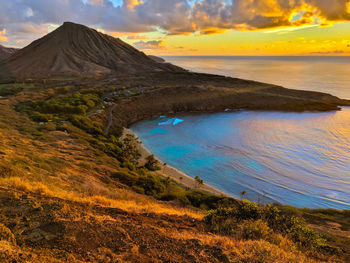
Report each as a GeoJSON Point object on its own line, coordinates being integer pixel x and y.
{"type": "Point", "coordinates": [69, 192]}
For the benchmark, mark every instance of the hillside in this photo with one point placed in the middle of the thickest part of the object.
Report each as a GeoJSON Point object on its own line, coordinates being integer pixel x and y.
{"type": "Point", "coordinates": [6, 52]}
{"type": "Point", "coordinates": [74, 49]}
{"type": "Point", "coordinates": [69, 193]}
{"type": "Point", "coordinates": [73, 187]}
{"type": "Point", "coordinates": [171, 93]}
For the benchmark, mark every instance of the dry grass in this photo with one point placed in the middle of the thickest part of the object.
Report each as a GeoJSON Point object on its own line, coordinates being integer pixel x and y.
{"type": "Point", "coordinates": [61, 166]}
{"type": "Point", "coordinates": [26, 166]}
{"type": "Point", "coordinates": [6, 235]}
{"type": "Point", "coordinates": [123, 199]}
{"type": "Point", "coordinates": [248, 250]}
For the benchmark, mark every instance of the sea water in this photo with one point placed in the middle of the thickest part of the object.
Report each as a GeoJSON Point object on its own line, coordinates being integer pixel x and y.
{"type": "Point", "coordinates": [325, 74]}
{"type": "Point", "coordinates": [299, 159]}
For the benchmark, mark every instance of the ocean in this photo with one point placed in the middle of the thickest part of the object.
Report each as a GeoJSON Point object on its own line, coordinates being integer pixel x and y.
{"type": "Point", "coordinates": [324, 74]}
{"type": "Point", "coordinates": [298, 159]}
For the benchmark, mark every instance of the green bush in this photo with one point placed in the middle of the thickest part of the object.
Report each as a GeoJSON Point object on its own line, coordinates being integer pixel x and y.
{"type": "Point", "coordinates": [229, 220]}
{"type": "Point", "coordinates": [129, 149]}
{"type": "Point", "coordinates": [178, 196]}
{"type": "Point", "coordinates": [39, 117]}
{"type": "Point", "coordinates": [10, 89]}
{"type": "Point", "coordinates": [202, 199]}
{"type": "Point", "coordinates": [127, 164]}
{"type": "Point", "coordinates": [125, 178]}
{"type": "Point", "coordinates": [152, 163]}
{"type": "Point", "coordinates": [253, 229]}
{"type": "Point", "coordinates": [153, 185]}
{"type": "Point", "coordinates": [116, 132]}
{"type": "Point", "coordinates": [63, 106]}
{"type": "Point", "coordinates": [86, 124]}
{"type": "Point", "coordinates": [304, 236]}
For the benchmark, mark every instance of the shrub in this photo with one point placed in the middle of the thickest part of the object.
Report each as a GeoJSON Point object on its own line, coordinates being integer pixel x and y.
{"type": "Point", "coordinates": [153, 185]}
{"type": "Point", "coordinates": [125, 178]}
{"type": "Point", "coordinates": [116, 132]}
{"type": "Point", "coordinates": [39, 117]}
{"type": "Point", "coordinates": [62, 107]}
{"type": "Point", "coordinates": [138, 189]}
{"type": "Point", "coordinates": [86, 124]}
{"type": "Point", "coordinates": [127, 164]}
{"type": "Point", "coordinates": [304, 236]}
{"type": "Point", "coordinates": [50, 126]}
{"type": "Point", "coordinates": [260, 220]}
{"type": "Point", "coordinates": [253, 229]}
{"type": "Point", "coordinates": [202, 199]}
{"type": "Point", "coordinates": [152, 163]}
{"type": "Point", "coordinates": [178, 196]}
{"type": "Point", "coordinates": [10, 89]}
{"type": "Point", "coordinates": [129, 149]}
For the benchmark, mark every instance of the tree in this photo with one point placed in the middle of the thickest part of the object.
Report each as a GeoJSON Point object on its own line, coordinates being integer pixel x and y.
{"type": "Point", "coordinates": [152, 163]}
{"type": "Point", "coordinates": [129, 149]}
{"type": "Point", "coordinates": [243, 193]}
{"type": "Point", "coordinates": [198, 181]}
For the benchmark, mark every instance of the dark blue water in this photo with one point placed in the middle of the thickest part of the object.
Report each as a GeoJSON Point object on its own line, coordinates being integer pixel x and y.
{"type": "Point", "coordinates": [299, 159]}
{"type": "Point", "coordinates": [325, 74]}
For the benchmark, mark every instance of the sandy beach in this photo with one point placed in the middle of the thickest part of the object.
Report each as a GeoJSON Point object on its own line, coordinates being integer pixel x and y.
{"type": "Point", "coordinates": [169, 171]}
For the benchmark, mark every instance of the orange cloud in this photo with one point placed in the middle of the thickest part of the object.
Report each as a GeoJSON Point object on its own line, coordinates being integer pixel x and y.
{"type": "Point", "coordinates": [130, 4]}
{"type": "Point", "coordinates": [136, 37]}
{"type": "Point", "coordinates": [212, 31]}
{"type": "Point", "coordinates": [3, 38]}
{"type": "Point", "coordinates": [243, 15]}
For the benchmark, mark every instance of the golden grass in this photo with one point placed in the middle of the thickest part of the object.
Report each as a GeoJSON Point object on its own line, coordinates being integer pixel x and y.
{"type": "Point", "coordinates": [22, 168]}
{"type": "Point", "coordinates": [123, 199]}
{"type": "Point", "coordinates": [25, 185]}
{"type": "Point", "coordinates": [247, 250]}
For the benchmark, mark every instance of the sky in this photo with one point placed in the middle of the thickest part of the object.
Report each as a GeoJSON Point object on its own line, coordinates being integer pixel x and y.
{"type": "Point", "coordinates": [191, 27]}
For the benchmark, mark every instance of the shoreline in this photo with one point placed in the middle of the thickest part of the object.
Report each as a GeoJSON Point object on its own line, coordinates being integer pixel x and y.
{"type": "Point", "coordinates": [169, 171]}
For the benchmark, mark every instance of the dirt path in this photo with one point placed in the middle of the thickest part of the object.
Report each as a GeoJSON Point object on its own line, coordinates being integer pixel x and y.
{"type": "Point", "coordinates": [110, 119]}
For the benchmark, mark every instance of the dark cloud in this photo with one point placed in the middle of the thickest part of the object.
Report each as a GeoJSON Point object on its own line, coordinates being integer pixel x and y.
{"type": "Point", "coordinates": [156, 44]}
{"type": "Point", "coordinates": [28, 19]}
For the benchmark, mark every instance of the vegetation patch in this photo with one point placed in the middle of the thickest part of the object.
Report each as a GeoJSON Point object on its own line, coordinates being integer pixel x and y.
{"type": "Point", "coordinates": [10, 89]}
{"type": "Point", "coordinates": [251, 221]}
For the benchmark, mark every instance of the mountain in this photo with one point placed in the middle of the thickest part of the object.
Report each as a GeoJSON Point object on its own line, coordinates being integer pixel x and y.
{"type": "Point", "coordinates": [157, 59]}
{"type": "Point", "coordinates": [74, 49]}
{"type": "Point", "coordinates": [6, 52]}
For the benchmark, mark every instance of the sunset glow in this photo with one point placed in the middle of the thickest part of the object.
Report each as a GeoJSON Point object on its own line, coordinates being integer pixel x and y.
{"type": "Point", "coordinates": [193, 27]}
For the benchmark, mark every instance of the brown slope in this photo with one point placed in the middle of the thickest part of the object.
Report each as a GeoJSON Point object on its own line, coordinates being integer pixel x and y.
{"type": "Point", "coordinates": [6, 52]}
{"type": "Point", "coordinates": [74, 49]}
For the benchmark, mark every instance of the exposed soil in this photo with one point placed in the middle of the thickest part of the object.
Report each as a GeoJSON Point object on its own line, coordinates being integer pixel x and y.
{"type": "Point", "coordinates": [69, 231]}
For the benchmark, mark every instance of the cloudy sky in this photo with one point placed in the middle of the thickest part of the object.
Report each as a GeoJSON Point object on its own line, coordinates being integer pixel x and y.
{"type": "Point", "coordinates": [192, 27]}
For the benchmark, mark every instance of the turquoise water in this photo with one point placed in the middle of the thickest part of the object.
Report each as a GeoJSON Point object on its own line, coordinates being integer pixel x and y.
{"type": "Point", "coordinates": [299, 159]}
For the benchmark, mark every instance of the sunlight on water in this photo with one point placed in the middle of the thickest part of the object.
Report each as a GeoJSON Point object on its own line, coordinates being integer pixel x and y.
{"type": "Point", "coordinates": [300, 159]}
{"type": "Point", "coordinates": [324, 74]}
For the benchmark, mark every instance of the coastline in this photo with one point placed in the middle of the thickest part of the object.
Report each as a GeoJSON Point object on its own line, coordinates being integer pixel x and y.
{"type": "Point", "coordinates": [169, 171]}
